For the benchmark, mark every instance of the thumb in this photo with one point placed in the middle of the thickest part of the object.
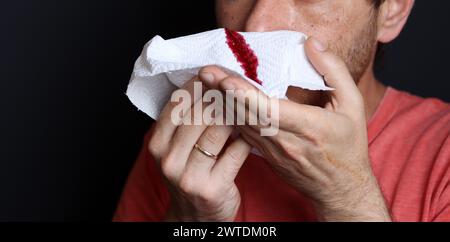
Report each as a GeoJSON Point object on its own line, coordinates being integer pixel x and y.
{"type": "Point", "coordinates": [336, 74]}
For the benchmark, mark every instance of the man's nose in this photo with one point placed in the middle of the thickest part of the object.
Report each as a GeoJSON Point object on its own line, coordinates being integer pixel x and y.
{"type": "Point", "coordinates": [271, 15]}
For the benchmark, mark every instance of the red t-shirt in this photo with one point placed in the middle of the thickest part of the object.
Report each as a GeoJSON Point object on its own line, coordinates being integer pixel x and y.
{"type": "Point", "coordinates": [409, 145]}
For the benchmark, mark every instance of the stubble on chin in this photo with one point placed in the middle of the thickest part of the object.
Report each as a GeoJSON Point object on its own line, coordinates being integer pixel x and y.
{"type": "Point", "coordinates": [358, 47]}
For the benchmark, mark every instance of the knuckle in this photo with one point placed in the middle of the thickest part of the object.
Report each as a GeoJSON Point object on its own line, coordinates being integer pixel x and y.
{"type": "Point", "coordinates": [187, 184]}
{"type": "Point", "coordinates": [233, 80]}
{"type": "Point", "coordinates": [329, 78]}
{"type": "Point", "coordinates": [335, 66]}
{"type": "Point", "coordinates": [167, 167]}
{"type": "Point", "coordinates": [212, 135]}
{"type": "Point", "coordinates": [196, 117]}
{"type": "Point", "coordinates": [359, 103]}
{"type": "Point", "coordinates": [171, 105]}
{"type": "Point", "coordinates": [339, 64]}
{"type": "Point", "coordinates": [154, 148]}
{"type": "Point", "coordinates": [171, 165]}
{"type": "Point", "coordinates": [209, 193]}
{"type": "Point", "coordinates": [168, 111]}
{"type": "Point", "coordinates": [209, 68]}
{"type": "Point", "coordinates": [232, 167]}
{"type": "Point", "coordinates": [234, 156]}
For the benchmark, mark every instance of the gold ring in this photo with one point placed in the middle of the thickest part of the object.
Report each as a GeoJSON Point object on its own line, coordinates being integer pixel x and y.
{"type": "Point", "coordinates": [203, 151]}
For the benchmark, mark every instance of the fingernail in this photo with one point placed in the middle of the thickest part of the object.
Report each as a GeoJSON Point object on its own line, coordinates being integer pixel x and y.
{"type": "Point", "coordinates": [207, 77]}
{"type": "Point", "coordinates": [318, 45]}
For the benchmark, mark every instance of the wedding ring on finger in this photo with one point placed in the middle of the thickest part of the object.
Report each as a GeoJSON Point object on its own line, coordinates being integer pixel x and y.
{"type": "Point", "coordinates": [205, 152]}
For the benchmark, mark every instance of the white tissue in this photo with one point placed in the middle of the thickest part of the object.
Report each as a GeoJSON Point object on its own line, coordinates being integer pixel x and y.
{"type": "Point", "coordinates": [165, 65]}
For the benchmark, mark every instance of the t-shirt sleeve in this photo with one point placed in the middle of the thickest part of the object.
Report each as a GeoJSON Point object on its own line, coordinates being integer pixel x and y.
{"type": "Point", "coordinates": [145, 197]}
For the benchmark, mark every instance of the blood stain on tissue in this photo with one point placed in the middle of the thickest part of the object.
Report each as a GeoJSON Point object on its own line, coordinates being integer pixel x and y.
{"type": "Point", "coordinates": [244, 54]}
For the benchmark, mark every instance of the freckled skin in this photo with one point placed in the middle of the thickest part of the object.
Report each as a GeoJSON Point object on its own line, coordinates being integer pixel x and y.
{"type": "Point", "coordinates": [347, 26]}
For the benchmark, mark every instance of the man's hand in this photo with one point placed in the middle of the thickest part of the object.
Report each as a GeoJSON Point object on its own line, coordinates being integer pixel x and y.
{"type": "Point", "coordinates": [322, 152]}
{"type": "Point", "coordinates": [201, 188]}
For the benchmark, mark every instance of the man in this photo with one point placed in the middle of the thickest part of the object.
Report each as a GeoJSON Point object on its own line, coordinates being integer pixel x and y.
{"type": "Point", "coordinates": [364, 152]}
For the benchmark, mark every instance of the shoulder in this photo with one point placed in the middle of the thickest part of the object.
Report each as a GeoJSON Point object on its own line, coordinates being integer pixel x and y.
{"type": "Point", "coordinates": [402, 115]}
{"type": "Point", "coordinates": [423, 125]}
{"type": "Point", "coordinates": [410, 151]}
{"type": "Point", "coordinates": [421, 113]}
{"type": "Point", "coordinates": [428, 106]}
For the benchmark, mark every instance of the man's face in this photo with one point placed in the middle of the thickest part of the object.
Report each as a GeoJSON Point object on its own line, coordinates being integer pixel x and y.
{"type": "Point", "coordinates": [347, 26]}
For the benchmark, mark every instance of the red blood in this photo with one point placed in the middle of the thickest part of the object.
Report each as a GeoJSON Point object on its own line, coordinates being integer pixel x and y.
{"type": "Point", "coordinates": [244, 54]}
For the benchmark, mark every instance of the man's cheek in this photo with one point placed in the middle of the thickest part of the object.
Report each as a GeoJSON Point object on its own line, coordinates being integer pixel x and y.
{"type": "Point", "coordinates": [233, 14]}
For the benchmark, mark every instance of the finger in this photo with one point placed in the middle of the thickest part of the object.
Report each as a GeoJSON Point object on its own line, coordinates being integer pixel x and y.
{"type": "Point", "coordinates": [211, 76]}
{"type": "Point", "coordinates": [231, 161]}
{"type": "Point", "coordinates": [262, 111]}
{"type": "Point", "coordinates": [285, 114]}
{"type": "Point", "coordinates": [190, 87]}
{"type": "Point", "coordinates": [335, 72]}
{"type": "Point", "coordinates": [165, 127]}
{"type": "Point", "coordinates": [212, 140]}
{"type": "Point", "coordinates": [246, 100]}
{"type": "Point", "coordinates": [183, 141]}
{"type": "Point", "coordinates": [300, 118]}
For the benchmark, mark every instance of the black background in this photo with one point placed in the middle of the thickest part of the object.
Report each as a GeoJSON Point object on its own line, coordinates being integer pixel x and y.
{"type": "Point", "coordinates": [68, 134]}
